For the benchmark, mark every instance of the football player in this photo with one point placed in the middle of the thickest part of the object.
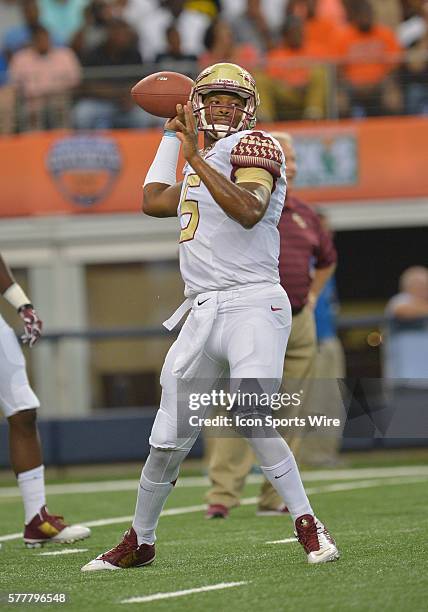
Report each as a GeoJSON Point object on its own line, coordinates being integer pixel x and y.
{"type": "Point", "coordinates": [229, 205]}
{"type": "Point", "coordinates": [19, 403]}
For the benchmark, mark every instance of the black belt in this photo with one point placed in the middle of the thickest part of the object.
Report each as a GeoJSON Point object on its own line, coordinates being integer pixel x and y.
{"type": "Point", "coordinates": [295, 310]}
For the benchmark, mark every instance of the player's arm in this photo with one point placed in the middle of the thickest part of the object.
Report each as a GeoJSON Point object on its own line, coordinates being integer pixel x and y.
{"type": "Point", "coordinates": [320, 277]}
{"type": "Point", "coordinates": [161, 200]}
{"type": "Point", "coordinates": [325, 261]}
{"type": "Point", "coordinates": [161, 194]}
{"type": "Point", "coordinates": [13, 293]}
{"type": "Point", "coordinates": [6, 278]}
{"type": "Point", "coordinates": [245, 202]}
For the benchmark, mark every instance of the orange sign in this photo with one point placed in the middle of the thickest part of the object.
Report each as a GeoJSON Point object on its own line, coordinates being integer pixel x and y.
{"type": "Point", "coordinates": [63, 172]}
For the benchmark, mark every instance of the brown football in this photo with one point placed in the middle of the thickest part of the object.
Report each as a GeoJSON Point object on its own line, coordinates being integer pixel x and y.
{"type": "Point", "coordinates": [159, 93]}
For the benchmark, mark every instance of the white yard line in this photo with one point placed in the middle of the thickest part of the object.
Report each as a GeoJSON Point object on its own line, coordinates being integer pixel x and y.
{"type": "Point", "coordinates": [66, 551]}
{"type": "Point", "coordinates": [204, 589]}
{"type": "Point", "coordinates": [363, 484]}
{"type": "Point", "coordinates": [11, 536]}
{"type": "Point", "coordinates": [203, 481]}
{"type": "Point", "coordinates": [286, 541]}
{"type": "Point", "coordinates": [249, 501]}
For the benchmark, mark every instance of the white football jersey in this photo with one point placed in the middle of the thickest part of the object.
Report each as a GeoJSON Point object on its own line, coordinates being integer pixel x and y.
{"type": "Point", "coordinates": [216, 252]}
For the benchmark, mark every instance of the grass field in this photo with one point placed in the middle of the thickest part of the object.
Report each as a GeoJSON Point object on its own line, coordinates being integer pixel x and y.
{"type": "Point", "coordinates": [379, 520]}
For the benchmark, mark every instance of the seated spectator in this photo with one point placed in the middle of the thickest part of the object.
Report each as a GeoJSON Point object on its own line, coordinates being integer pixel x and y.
{"type": "Point", "coordinates": [93, 31]}
{"type": "Point", "coordinates": [252, 26]}
{"type": "Point", "coordinates": [193, 22]}
{"type": "Point", "coordinates": [62, 18]}
{"type": "Point", "coordinates": [150, 19]}
{"type": "Point", "coordinates": [369, 54]}
{"type": "Point", "coordinates": [44, 77]}
{"type": "Point", "coordinates": [320, 30]}
{"type": "Point", "coordinates": [268, 13]}
{"type": "Point", "coordinates": [105, 100]}
{"type": "Point", "coordinates": [173, 58]}
{"type": "Point", "coordinates": [20, 35]}
{"type": "Point", "coordinates": [297, 84]}
{"type": "Point", "coordinates": [221, 47]}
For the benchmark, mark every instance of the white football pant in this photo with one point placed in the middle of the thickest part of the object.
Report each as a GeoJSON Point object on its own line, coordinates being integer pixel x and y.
{"type": "Point", "coordinates": [244, 335]}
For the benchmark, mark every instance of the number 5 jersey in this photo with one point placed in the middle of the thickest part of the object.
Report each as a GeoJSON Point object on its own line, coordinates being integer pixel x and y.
{"type": "Point", "coordinates": [216, 252]}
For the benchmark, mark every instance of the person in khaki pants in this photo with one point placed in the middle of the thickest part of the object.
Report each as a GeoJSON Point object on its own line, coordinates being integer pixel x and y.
{"type": "Point", "coordinates": [307, 260]}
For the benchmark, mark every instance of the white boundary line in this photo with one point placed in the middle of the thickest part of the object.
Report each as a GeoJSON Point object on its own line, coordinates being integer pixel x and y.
{"type": "Point", "coordinates": [66, 551]}
{"type": "Point", "coordinates": [286, 541]}
{"type": "Point", "coordinates": [249, 501]}
{"type": "Point", "coordinates": [203, 481]}
{"type": "Point", "coordinates": [157, 596]}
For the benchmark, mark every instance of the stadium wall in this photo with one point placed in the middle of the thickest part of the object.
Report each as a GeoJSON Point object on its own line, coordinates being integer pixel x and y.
{"type": "Point", "coordinates": [68, 173]}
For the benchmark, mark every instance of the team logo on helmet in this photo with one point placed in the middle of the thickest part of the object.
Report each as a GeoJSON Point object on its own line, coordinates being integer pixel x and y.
{"type": "Point", "coordinates": [84, 168]}
{"type": "Point", "coordinates": [228, 78]}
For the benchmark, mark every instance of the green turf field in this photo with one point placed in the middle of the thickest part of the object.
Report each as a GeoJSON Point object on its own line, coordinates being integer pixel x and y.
{"type": "Point", "coordinates": [380, 524]}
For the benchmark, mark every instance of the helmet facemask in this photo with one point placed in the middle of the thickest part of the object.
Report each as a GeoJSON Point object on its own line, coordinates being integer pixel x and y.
{"type": "Point", "coordinates": [225, 79]}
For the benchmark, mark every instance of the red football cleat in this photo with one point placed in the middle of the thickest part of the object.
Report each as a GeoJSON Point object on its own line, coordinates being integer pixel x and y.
{"type": "Point", "coordinates": [45, 527]}
{"type": "Point", "coordinates": [216, 511]}
{"type": "Point", "coordinates": [316, 540]}
{"type": "Point", "coordinates": [126, 554]}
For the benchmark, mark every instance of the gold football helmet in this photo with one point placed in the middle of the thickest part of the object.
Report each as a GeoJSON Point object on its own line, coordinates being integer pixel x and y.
{"type": "Point", "coordinates": [227, 78]}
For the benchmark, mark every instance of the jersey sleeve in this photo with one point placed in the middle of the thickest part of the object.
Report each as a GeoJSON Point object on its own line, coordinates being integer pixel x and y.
{"type": "Point", "coordinates": [257, 150]}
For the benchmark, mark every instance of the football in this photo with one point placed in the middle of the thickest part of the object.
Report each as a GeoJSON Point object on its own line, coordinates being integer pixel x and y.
{"type": "Point", "coordinates": [159, 93]}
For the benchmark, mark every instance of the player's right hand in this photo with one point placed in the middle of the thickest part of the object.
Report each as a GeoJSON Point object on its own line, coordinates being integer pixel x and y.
{"type": "Point", "coordinates": [171, 124]}
{"type": "Point", "coordinates": [32, 325]}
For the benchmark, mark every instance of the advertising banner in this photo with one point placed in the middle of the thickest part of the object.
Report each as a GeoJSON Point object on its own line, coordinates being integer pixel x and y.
{"type": "Point", "coordinates": [60, 172]}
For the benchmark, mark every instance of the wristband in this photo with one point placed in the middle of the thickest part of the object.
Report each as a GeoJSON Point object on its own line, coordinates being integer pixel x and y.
{"type": "Point", "coordinates": [164, 166]}
{"type": "Point", "coordinates": [170, 133]}
{"type": "Point", "coordinates": [15, 296]}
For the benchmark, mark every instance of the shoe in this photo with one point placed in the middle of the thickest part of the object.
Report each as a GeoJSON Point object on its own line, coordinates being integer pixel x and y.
{"type": "Point", "coordinates": [216, 511]}
{"type": "Point", "coordinates": [272, 511]}
{"type": "Point", "coordinates": [126, 554]}
{"type": "Point", "coordinates": [315, 539]}
{"type": "Point", "coordinates": [45, 527]}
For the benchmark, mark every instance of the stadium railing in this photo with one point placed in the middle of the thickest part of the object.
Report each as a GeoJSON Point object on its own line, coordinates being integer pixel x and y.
{"type": "Point", "coordinates": [405, 92]}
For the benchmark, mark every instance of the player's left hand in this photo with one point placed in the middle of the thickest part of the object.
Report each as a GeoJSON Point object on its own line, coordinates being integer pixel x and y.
{"type": "Point", "coordinates": [32, 325]}
{"type": "Point", "coordinates": [188, 134]}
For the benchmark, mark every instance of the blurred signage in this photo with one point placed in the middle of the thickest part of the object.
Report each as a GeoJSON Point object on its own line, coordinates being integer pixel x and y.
{"type": "Point", "coordinates": [84, 168]}
{"type": "Point", "coordinates": [326, 160]}
{"type": "Point", "coordinates": [57, 173]}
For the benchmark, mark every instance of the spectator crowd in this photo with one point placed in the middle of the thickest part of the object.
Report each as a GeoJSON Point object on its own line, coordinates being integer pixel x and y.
{"type": "Point", "coordinates": [71, 63]}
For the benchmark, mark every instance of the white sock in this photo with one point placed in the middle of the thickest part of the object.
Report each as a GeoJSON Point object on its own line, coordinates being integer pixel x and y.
{"type": "Point", "coordinates": [32, 486]}
{"type": "Point", "coordinates": [285, 478]}
{"type": "Point", "coordinates": [150, 501]}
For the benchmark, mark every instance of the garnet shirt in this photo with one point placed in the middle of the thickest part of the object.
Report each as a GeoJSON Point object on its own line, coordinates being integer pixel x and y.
{"type": "Point", "coordinates": [304, 245]}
